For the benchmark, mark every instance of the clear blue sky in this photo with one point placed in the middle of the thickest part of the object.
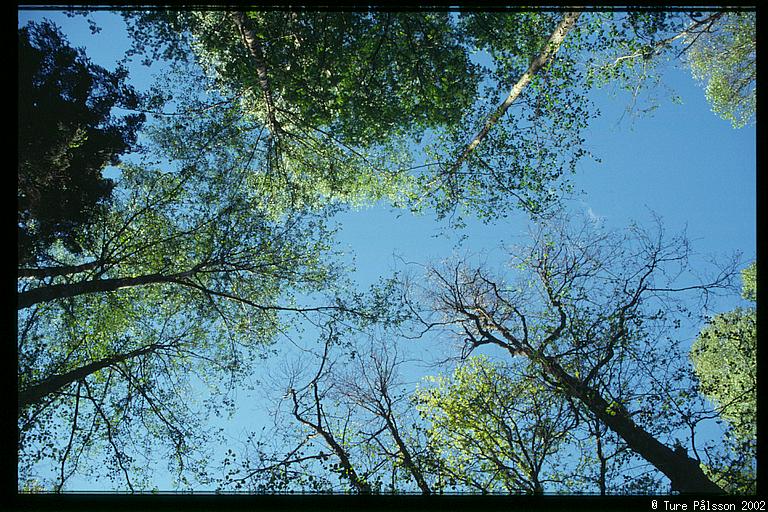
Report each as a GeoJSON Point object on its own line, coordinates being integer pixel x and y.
{"type": "Point", "coordinates": [681, 162]}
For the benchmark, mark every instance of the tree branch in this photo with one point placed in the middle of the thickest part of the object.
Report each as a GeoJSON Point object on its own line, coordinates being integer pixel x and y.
{"type": "Point", "coordinates": [541, 60]}
{"type": "Point", "coordinates": [33, 394]}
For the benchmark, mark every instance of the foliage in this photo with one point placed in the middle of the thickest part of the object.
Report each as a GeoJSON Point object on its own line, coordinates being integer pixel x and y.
{"type": "Point", "coordinates": [67, 135]}
{"type": "Point", "coordinates": [496, 430]}
{"type": "Point", "coordinates": [141, 315]}
{"type": "Point", "coordinates": [594, 313]}
{"type": "Point", "coordinates": [362, 76]}
{"type": "Point", "coordinates": [327, 136]}
{"type": "Point", "coordinates": [302, 77]}
{"type": "Point", "coordinates": [724, 356]}
{"type": "Point", "coordinates": [189, 268]}
{"type": "Point", "coordinates": [749, 283]}
{"type": "Point", "coordinates": [724, 58]}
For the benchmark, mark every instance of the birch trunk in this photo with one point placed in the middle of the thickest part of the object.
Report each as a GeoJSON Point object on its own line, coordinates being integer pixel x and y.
{"type": "Point", "coordinates": [547, 53]}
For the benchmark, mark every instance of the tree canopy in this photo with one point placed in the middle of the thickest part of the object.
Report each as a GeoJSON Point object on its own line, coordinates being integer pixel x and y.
{"type": "Point", "coordinates": [146, 302]}
{"type": "Point", "coordinates": [724, 356]}
{"type": "Point", "coordinates": [724, 57]}
{"type": "Point", "coordinates": [67, 135]}
{"type": "Point", "coordinates": [498, 430]}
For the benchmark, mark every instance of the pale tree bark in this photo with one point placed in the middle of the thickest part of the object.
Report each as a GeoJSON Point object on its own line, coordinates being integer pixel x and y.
{"type": "Point", "coordinates": [545, 56]}
{"type": "Point", "coordinates": [253, 45]}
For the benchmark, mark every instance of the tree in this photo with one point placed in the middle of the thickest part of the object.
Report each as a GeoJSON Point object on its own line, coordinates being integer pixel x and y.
{"type": "Point", "coordinates": [585, 407]}
{"type": "Point", "coordinates": [299, 75]}
{"type": "Point", "coordinates": [589, 315]}
{"type": "Point", "coordinates": [724, 357]}
{"type": "Point", "coordinates": [67, 135]}
{"type": "Point", "coordinates": [307, 68]}
{"type": "Point", "coordinates": [316, 417]}
{"type": "Point", "coordinates": [717, 47]}
{"type": "Point", "coordinates": [345, 414]}
{"type": "Point", "coordinates": [170, 286]}
{"type": "Point", "coordinates": [498, 430]}
{"type": "Point", "coordinates": [372, 383]}
{"type": "Point", "coordinates": [724, 58]}
{"type": "Point", "coordinates": [216, 242]}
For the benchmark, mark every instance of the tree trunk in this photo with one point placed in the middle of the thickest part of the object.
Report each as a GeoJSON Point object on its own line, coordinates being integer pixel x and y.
{"type": "Point", "coordinates": [60, 291]}
{"type": "Point", "coordinates": [546, 54]}
{"type": "Point", "coordinates": [33, 394]}
{"type": "Point", "coordinates": [684, 473]}
{"type": "Point", "coordinates": [253, 45]}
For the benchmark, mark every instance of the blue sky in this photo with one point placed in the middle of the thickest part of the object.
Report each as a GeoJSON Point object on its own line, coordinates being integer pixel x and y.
{"type": "Point", "coordinates": [681, 162]}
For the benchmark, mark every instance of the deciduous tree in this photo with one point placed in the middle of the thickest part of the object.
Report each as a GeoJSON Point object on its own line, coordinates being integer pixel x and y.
{"type": "Point", "coordinates": [498, 430]}
{"type": "Point", "coordinates": [170, 287]}
{"type": "Point", "coordinates": [724, 356]}
{"type": "Point", "coordinates": [590, 315]}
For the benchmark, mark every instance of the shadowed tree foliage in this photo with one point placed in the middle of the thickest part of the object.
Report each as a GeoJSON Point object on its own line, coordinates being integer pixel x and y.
{"type": "Point", "coordinates": [363, 76]}
{"type": "Point", "coordinates": [67, 135]}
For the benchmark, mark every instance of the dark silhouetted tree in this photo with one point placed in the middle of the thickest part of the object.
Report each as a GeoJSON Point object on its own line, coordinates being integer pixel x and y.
{"type": "Point", "coordinates": [67, 135]}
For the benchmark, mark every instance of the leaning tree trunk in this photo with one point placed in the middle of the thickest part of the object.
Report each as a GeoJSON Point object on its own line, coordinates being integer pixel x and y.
{"type": "Point", "coordinates": [253, 45]}
{"type": "Point", "coordinates": [60, 291]}
{"type": "Point", "coordinates": [684, 473]}
{"type": "Point", "coordinates": [33, 394]}
{"type": "Point", "coordinates": [537, 64]}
